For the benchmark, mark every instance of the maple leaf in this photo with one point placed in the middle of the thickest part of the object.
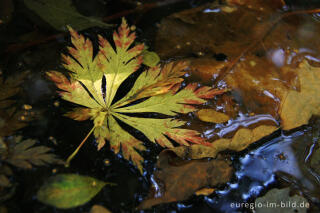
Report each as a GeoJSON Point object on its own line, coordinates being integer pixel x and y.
{"type": "Point", "coordinates": [11, 118]}
{"type": "Point", "coordinates": [156, 90]}
{"type": "Point", "coordinates": [22, 154]}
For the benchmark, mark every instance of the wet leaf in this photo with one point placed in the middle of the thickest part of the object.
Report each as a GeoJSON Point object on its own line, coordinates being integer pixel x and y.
{"type": "Point", "coordinates": [256, 57]}
{"type": "Point", "coordinates": [210, 115]}
{"type": "Point", "coordinates": [241, 140]}
{"type": "Point", "coordinates": [184, 33]}
{"type": "Point", "coordinates": [281, 196]}
{"type": "Point", "coordinates": [150, 58]}
{"type": "Point", "coordinates": [205, 191]}
{"type": "Point", "coordinates": [298, 106]}
{"type": "Point", "coordinates": [176, 179]}
{"type": "Point", "coordinates": [66, 191]}
{"type": "Point", "coordinates": [99, 209]}
{"type": "Point", "coordinates": [60, 13]}
{"type": "Point", "coordinates": [24, 154]}
{"type": "Point", "coordinates": [156, 90]}
{"type": "Point", "coordinates": [11, 118]}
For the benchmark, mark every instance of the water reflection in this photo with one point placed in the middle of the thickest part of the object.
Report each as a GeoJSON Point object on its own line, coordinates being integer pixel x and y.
{"type": "Point", "coordinates": [283, 157]}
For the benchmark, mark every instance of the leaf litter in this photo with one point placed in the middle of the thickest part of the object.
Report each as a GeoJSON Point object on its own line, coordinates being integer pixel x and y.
{"type": "Point", "coordinates": [287, 85]}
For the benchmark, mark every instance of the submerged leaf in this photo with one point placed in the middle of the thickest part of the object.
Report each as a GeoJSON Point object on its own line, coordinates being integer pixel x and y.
{"type": "Point", "coordinates": [176, 179]}
{"type": "Point", "coordinates": [69, 190]}
{"type": "Point", "coordinates": [281, 196]}
{"type": "Point", "coordinates": [156, 90]}
{"type": "Point", "coordinates": [60, 13]}
{"type": "Point", "coordinates": [24, 154]}
{"type": "Point", "coordinates": [11, 119]}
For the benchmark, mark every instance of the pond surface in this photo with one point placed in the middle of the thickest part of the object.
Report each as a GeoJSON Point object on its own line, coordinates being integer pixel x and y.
{"type": "Point", "coordinates": [205, 34]}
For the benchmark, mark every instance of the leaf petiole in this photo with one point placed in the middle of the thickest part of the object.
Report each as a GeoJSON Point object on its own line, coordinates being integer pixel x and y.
{"type": "Point", "coordinates": [78, 148]}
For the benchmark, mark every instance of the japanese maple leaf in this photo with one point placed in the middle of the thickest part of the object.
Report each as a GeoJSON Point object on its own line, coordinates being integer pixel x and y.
{"type": "Point", "coordinates": [156, 90]}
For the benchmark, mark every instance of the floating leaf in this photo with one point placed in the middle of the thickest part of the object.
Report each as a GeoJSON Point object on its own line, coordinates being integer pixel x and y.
{"type": "Point", "coordinates": [210, 115]}
{"type": "Point", "coordinates": [241, 140]}
{"type": "Point", "coordinates": [69, 190]}
{"type": "Point", "coordinates": [281, 196]}
{"type": "Point", "coordinates": [298, 106]}
{"type": "Point", "coordinates": [60, 13]}
{"type": "Point", "coordinates": [176, 179]}
{"type": "Point", "coordinates": [156, 90]}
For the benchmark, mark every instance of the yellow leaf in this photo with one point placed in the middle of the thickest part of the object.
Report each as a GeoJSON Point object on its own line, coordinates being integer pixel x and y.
{"type": "Point", "coordinates": [205, 191]}
{"type": "Point", "coordinates": [156, 90]}
{"type": "Point", "coordinates": [241, 140]}
{"type": "Point", "coordinates": [210, 115]}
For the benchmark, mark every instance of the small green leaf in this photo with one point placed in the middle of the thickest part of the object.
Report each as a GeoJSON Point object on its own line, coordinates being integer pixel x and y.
{"type": "Point", "coordinates": [60, 13]}
{"type": "Point", "coordinates": [151, 59]}
{"type": "Point", "coordinates": [69, 190]}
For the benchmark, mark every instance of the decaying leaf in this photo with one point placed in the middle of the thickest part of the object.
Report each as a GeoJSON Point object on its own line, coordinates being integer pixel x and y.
{"type": "Point", "coordinates": [184, 33]}
{"type": "Point", "coordinates": [298, 106]}
{"type": "Point", "coordinates": [281, 196]}
{"type": "Point", "coordinates": [11, 118]}
{"type": "Point", "coordinates": [210, 115]}
{"type": "Point", "coordinates": [60, 13]}
{"type": "Point", "coordinates": [156, 90]}
{"type": "Point", "coordinates": [255, 57]}
{"type": "Point", "coordinates": [66, 191]}
{"type": "Point", "coordinates": [24, 154]}
{"type": "Point", "coordinates": [241, 140]}
{"type": "Point", "coordinates": [176, 179]}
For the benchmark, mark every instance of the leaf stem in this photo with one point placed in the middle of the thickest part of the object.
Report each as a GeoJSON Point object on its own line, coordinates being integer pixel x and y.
{"type": "Point", "coordinates": [78, 148]}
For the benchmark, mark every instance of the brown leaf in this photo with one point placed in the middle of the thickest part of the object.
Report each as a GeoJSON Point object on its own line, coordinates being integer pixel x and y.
{"type": "Point", "coordinates": [11, 119]}
{"type": "Point", "coordinates": [24, 154]}
{"type": "Point", "coordinates": [177, 179]}
{"type": "Point", "coordinates": [183, 33]}
{"type": "Point", "coordinates": [254, 55]}
{"type": "Point", "coordinates": [210, 115]}
{"type": "Point", "coordinates": [241, 140]}
{"type": "Point", "coordinates": [298, 106]}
